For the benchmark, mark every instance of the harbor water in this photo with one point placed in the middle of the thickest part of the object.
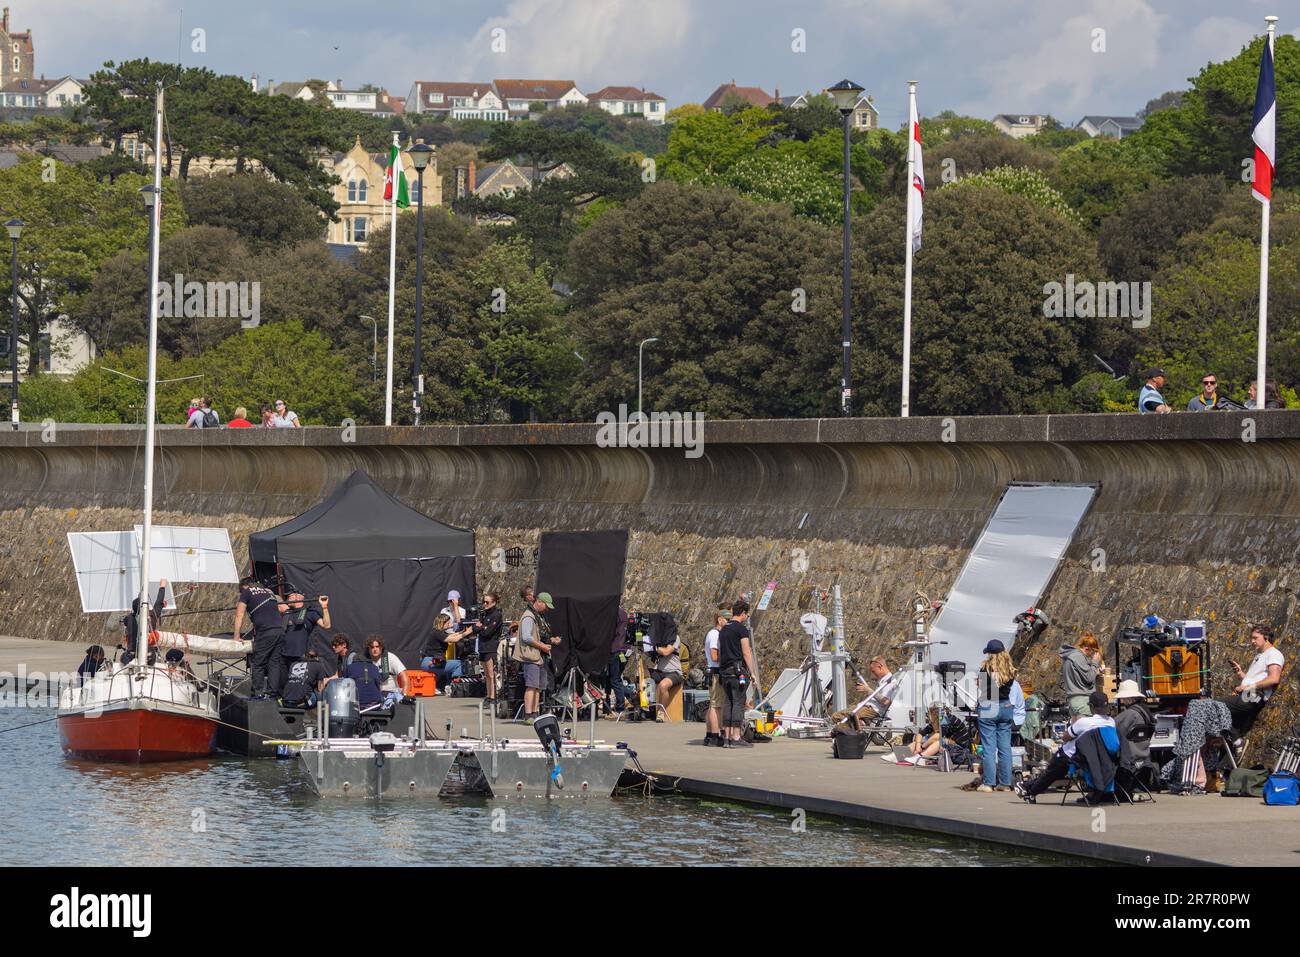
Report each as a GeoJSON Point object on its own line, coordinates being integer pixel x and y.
{"type": "Point", "coordinates": [226, 810]}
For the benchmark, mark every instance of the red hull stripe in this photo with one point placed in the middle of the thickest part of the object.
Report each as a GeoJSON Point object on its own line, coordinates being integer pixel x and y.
{"type": "Point", "coordinates": [137, 735]}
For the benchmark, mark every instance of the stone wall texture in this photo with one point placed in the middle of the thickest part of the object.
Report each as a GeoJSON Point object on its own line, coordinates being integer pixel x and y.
{"type": "Point", "coordinates": [1197, 515]}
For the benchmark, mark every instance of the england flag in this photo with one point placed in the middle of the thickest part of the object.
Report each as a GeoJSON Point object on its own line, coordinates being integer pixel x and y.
{"type": "Point", "coordinates": [1265, 128]}
{"type": "Point", "coordinates": [918, 181]}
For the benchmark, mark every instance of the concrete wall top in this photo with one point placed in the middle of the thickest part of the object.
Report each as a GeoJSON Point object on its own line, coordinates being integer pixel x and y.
{"type": "Point", "coordinates": [1066, 429]}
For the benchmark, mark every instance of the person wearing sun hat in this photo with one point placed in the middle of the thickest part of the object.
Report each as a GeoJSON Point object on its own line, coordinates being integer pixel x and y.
{"type": "Point", "coordinates": [1133, 714]}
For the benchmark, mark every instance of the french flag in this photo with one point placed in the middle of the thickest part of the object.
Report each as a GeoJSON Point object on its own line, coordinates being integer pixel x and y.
{"type": "Point", "coordinates": [1265, 128]}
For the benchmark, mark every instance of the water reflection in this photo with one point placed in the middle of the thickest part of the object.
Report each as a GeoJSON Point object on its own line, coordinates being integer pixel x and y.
{"type": "Point", "coordinates": [228, 810]}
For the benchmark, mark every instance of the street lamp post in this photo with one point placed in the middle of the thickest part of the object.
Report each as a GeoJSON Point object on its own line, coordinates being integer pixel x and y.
{"type": "Point", "coordinates": [420, 153]}
{"type": "Point", "coordinates": [640, 353]}
{"type": "Point", "coordinates": [845, 94]}
{"type": "Point", "coordinates": [374, 355]}
{"type": "Point", "coordinates": [15, 228]}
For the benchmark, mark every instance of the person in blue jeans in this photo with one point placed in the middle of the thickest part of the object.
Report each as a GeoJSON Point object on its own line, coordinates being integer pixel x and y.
{"type": "Point", "coordinates": [1002, 708]}
{"type": "Point", "coordinates": [435, 660]}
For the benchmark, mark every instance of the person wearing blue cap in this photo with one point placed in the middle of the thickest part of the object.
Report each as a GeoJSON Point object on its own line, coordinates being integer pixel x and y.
{"type": "Point", "coordinates": [1002, 707]}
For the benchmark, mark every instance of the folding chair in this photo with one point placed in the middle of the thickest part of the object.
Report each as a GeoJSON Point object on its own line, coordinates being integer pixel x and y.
{"type": "Point", "coordinates": [1079, 777]}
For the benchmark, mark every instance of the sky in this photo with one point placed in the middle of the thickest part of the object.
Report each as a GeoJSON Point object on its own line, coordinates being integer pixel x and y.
{"type": "Point", "coordinates": [978, 57]}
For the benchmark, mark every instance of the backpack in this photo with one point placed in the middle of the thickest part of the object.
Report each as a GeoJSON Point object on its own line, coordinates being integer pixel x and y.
{"type": "Point", "coordinates": [1282, 789]}
{"type": "Point", "coordinates": [1245, 782]}
{"type": "Point", "coordinates": [210, 419]}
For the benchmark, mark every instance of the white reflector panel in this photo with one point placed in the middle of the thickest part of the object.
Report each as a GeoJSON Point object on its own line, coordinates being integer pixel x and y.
{"type": "Point", "coordinates": [183, 553]}
{"type": "Point", "coordinates": [107, 566]}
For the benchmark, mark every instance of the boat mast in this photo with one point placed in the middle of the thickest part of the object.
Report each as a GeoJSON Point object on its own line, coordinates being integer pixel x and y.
{"type": "Point", "coordinates": [142, 622]}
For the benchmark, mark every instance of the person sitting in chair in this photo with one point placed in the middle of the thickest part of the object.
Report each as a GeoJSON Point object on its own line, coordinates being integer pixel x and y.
{"type": "Point", "coordinates": [435, 660]}
{"type": "Point", "coordinates": [1059, 766]}
{"type": "Point", "coordinates": [1257, 682]}
{"type": "Point", "coordinates": [878, 701]}
{"type": "Point", "coordinates": [667, 670]}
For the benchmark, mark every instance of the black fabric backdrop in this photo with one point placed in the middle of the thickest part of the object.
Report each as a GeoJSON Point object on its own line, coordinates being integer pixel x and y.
{"type": "Point", "coordinates": [396, 599]}
{"type": "Point", "coordinates": [583, 571]}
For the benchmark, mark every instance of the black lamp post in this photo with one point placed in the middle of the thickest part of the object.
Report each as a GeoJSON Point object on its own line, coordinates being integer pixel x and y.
{"type": "Point", "coordinates": [846, 93]}
{"type": "Point", "coordinates": [420, 154]}
{"type": "Point", "coordinates": [15, 227]}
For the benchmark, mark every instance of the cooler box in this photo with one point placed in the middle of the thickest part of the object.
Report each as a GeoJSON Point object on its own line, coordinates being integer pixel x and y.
{"type": "Point", "coordinates": [420, 684]}
{"type": "Point", "coordinates": [690, 698]}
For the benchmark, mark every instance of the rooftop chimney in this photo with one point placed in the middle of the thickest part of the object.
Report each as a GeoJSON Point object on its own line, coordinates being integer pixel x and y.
{"type": "Point", "coordinates": [473, 178]}
{"type": "Point", "coordinates": [254, 83]}
{"type": "Point", "coordinates": [462, 177]}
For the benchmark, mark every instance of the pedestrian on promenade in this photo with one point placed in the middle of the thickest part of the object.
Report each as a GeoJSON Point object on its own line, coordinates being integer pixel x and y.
{"type": "Point", "coordinates": [1002, 702]}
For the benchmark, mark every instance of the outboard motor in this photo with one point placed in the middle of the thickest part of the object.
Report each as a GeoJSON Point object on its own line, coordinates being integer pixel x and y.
{"type": "Point", "coordinates": [341, 697]}
{"type": "Point", "coordinates": [548, 732]}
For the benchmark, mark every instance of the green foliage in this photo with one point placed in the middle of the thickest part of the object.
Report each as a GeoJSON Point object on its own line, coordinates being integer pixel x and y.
{"type": "Point", "coordinates": [1206, 302]}
{"type": "Point", "coordinates": [981, 343]}
{"type": "Point", "coordinates": [713, 276]}
{"type": "Point", "coordinates": [1208, 131]}
{"type": "Point", "coordinates": [511, 351]}
{"type": "Point", "coordinates": [545, 214]}
{"type": "Point", "coordinates": [1055, 138]}
{"type": "Point", "coordinates": [75, 224]}
{"type": "Point", "coordinates": [1101, 392]}
{"type": "Point", "coordinates": [626, 134]}
{"type": "Point", "coordinates": [707, 144]}
{"type": "Point", "coordinates": [220, 117]}
{"type": "Point", "coordinates": [1146, 229]}
{"type": "Point", "coordinates": [1028, 183]}
{"type": "Point", "coordinates": [773, 176]}
{"type": "Point", "coordinates": [948, 126]}
{"type": "Point", "coordinates": [275, 360]}
{"type": "Point", "coordinates": [978, 153]}
{"type": "Point", "coordinates": [263, 213]}
{"type": "Point", "coordinates": [1096, 176]}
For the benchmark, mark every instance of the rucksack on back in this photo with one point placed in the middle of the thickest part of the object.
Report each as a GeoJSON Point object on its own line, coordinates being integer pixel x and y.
{"type": "Point", "coordinates": [210, 419]}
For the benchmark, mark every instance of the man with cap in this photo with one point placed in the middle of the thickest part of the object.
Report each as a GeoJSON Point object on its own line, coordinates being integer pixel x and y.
{"type": "Point", "coordinates": [1150, 399]}
{"type": "Point", "coordinates": [534, 645]}
{"type": "Point", "coordinates": [1059, 766]}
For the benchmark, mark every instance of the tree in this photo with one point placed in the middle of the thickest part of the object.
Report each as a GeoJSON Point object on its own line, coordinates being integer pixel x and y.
{"type": "Point", "coordinates": [1144, 231]}
{"type": "Point", "coordinates": [115, 311]}
{"type": "Point", "coordinates": [784, 176]}
{"type": "Point", "coordinates": [545, 213]}
{"type": "Point", "coordinates": [1028, 183]}
{"type": "Point", "coordinates": [683, 111]}
{"type": "Point", "coordinates": [981, 343]}
{"type": "Point", "coordinates": [1209, 129]}
{"type": "Point", "coordinates": [510, 353]}
{"type": "Point", "coordinates": [264, 213]}
{"type": "Point", "coordinates": [1055, 138]}
{"type": "Point", "coordinates": [948, 126]}
{"type": "Point", "coordinates": [1096, 176]}
{"type": "Point", "coordinates": [74, 224]}
{"type": "Point", "coordinates": [744, 297]}
{"type": "Point", "coordinates": [1170, 99]}
{"type": "Point", "coordinates": [626, 134]}
{"type": "Point", "coordinates": [978, 153]}
{"type": "Point", "coordinates": [711, 143]}
{"type": "Point", "coordinates": [1206, 301]}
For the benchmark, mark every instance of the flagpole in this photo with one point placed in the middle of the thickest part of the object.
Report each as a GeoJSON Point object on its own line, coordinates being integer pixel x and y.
{"type": "Point", "coordinates": [392, 288]}
{"type": "Point", "coordinates": [1261, 400]}
{"type": "Point", "coordinates": [907, 269]}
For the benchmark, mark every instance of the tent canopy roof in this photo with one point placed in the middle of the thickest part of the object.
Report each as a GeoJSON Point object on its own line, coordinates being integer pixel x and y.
{"type": "Point", "coordinates": [359, 522]}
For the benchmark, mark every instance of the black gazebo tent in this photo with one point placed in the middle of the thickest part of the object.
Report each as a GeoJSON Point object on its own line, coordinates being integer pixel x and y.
{"type": "Point", "coordinates": [386, 567]}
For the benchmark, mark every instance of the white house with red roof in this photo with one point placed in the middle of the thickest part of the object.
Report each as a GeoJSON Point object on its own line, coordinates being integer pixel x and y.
{"type": "Point", "coordinates": [522, 97]}
{"type": "Point", "coordinates": [456, 100]}
{"type": "Point", "coordinates": [630, 101]}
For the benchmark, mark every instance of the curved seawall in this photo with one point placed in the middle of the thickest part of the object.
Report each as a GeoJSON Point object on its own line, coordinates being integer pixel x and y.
{"type": "Point", "coordinates": [1197, 516]}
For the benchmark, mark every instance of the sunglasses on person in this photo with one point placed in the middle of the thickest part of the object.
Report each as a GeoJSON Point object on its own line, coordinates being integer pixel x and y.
{"type": "Point", "coordinates": [1209, 382]}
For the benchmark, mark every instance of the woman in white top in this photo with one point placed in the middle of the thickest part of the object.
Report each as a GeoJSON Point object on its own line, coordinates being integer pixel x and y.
{"type": "Point", "coordinates": [283, 418]}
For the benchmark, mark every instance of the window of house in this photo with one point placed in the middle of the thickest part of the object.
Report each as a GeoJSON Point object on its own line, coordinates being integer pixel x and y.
{"type": "Point", "coordinates": [17, 66]}
{"type": "Point", "coordinates": [352, 191]}
{"type": "Point", "coordinates": [359, 229]}
{"type": "Point", "coordinates": [415, 191]}
{"type": "Point", "coordinates": [43, 353]}
{"type": "Point", "coordinates": [435, 97]}
{"type": "Point", "coordinates": [361, 191]}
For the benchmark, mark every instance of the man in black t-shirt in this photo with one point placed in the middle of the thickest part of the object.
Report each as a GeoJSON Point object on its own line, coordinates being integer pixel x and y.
{"type": "Point", "coordinates": [306, 679]}
{"type": "Point", "coordinates": [265, 611]}
{"type": "Point", "coordinates": [299, 622]}
{"type": "Point", "coordinates": [736, 669]}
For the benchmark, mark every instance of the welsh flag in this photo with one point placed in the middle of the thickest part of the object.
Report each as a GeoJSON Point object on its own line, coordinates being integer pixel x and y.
{"type": "Point", "coordinates": [395, 163]}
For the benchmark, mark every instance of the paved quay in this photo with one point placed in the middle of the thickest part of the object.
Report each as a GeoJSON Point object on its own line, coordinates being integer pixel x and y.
{"type": "Point", "coordinates": [792, 773]}
{"type": "Point", "coordinates": [788, 773]}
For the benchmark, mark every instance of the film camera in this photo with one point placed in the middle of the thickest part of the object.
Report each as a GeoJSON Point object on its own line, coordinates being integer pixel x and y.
{"type": "Point", "coordinates": [1169, 660]}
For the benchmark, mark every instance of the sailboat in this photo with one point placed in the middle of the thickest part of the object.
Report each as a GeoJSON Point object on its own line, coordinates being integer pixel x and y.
{"type": "Point", "coordinates": [148, 709]}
